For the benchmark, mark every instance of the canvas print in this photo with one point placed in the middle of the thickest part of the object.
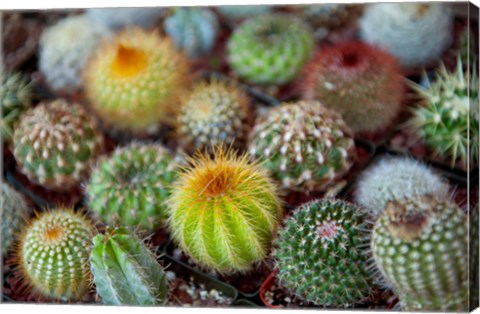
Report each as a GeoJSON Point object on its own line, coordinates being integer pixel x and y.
{"type": "Point", "coordinates": [263, 156]}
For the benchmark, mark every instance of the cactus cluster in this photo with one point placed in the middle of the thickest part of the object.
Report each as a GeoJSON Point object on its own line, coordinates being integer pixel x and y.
{"type": "Point", "coordinates": [321, 254]}
{"type": "Point", "coordinates": [53, 254]}
{"type": "Point", "coordinates": [224, 211]}
{"type": "Point", "coordinates": [56, 143]}
{"type": "Point", "coordinates": [134, 81]}
{"type": "Point", "coordinates": [118, 18]}
{"type": "Point", "coordinates": [125, 271]}
{"type": "Point", "coordinates": [13, 214]}
{"type": "Point", "coordinates": [304, 145]}
{"type": "Point", "coordinates": [193, 30]}
{"type": "Point", "coordinates": [130, 187]}
{"type": "Point", "coordinates": [270, 49]}
{"type": "Point", "coordinates": [420, 245]}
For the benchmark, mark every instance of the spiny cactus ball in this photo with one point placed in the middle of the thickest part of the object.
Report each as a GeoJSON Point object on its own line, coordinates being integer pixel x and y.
{"type": "Point", "coordinates": [134, 81]}
{"type": "Point", "coordinates": [214, 113]}
{"type": "Point", "coordinates": [125, 271]}
{"type": "Point", "coordinates": [321, 254]}
{"type": "Point", "coordinates": [270, 49]}
{"type": "Point", "coordinates": [420, 245]}
{"type": "Point", "coordinates": [236, 13]}
{"type": "Point", "coordinates": [304, 145]}
{"type": "Point", "coordinates": [361, 82]}
{"type": "Point", "coordinates": [415, 33]}
{"type": "Point", "coordinates": [56, 143]}
{"type": "Point", "coordinates": [65, 49]}
{"type": "Point", "coordinates": [118, 18]}
{"type": "Point", "coordinates": [193, 30]}
{"type": "Point", "coordinates": [15, 98]}
{"type": "Point", "coordinates": [395, 178]}
{"type": "Point", "coordinates": [13, 214]}
{"type": "Point", "coordinates": [223, 212]}
{"type": "Point", "coordinates": [130, 187]}
{"type": "Point", "coordinates": [53, 254]}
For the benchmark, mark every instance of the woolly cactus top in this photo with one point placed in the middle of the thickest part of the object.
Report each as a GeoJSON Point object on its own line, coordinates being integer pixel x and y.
{"type": "Point", "coordinates": [117, 18]}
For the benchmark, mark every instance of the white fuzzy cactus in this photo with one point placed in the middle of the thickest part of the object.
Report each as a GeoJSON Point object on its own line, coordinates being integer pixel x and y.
{"type": "Point", "coordinates": [117, 18]}
{"type": "Point", "coordinates": [416, 33]}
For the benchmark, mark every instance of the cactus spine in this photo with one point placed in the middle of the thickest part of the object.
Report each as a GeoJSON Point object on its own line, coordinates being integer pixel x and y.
{"type": "Point", "coordinates": [13, 214]}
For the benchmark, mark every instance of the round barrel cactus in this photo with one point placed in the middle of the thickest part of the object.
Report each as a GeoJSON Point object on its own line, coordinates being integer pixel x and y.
{"type": "Point", "coordinates": [325, 15]}
{"type": "Point", "coordinates": [305, 146]}
{"type": "Point", "coordinates": [125, 271]}
{"type": "Point", "coordinates": [56, 143]}
{"type": "Point", "coordinates": [270, 49]}
{"type": "Point", "coordinates": [223, 212]}
{"type": "Point", "coordinates": [118, 18]}
{"type": "Point", "coordinates": [13, 214]}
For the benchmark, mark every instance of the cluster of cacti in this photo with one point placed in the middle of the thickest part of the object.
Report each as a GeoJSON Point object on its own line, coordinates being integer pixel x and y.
{"type": "Point", "coordinates": [420, 245]}
{"type": "Point", "coordinates": [13, 214]}
{"type": "Point", "coordinates": [56, 143]}
{"type": "Point", "coordinates": [416, 33]}
{"type": "Point", "coordinates": [53, 254]}
{"type": "Point", "coordinates": [322, 252]}
{"type": "Point", "coordinates": [134, 82]}
{"type": "Point", "coordinates": [239, 12]}
{"type": "Point", "coordinates": [224, 211]}
{"type": "Point", "coordinates": [15, 98]}
{"type": "Point", "coordinates": [270, 49]}
{"type": "Point", "coordinates": [118, 18]}
{"type": "Point", "coordinates": [131, 186]}
{"type": "Point", "coordinates": [193, 30]}
{"type": "Point", "coordinates": [447, 119]}
{"type": "Point", "coordinates": [213, 113]}
{"type": "Point", "coordinates": [65, 49]}
{"type": "Point", "coordinates": [304, 145]}
{"type": "Point", "coordinates": [395, 178]}
{"type": "Point", "coordinates": [361, 82]}
{"type": "Point", "coordinates": [125, 271]}
{"type": "Point", "coordinates": [326, 15]}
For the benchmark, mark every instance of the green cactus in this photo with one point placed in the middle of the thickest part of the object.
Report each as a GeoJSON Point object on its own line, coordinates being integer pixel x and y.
{"type": "Point", "coordinates": [236, 13]}
{"type": "Point", "coordinates": [223, 212]}
{"type": "Point", "coordinates": [270, 49]}
{"type": "Point", "coordinates": [304, 145]}
{"type": "Point", "coordinates": [321, 254]}
{"type": "Point", "coordinates": [420, 245]}
{"type": "Point", "coordinates": [13, 214]}
{"type": "Point", "coordinates": [56, 143]}
{"type": "Point", "coordinates": [16, 97]}
{"type": "Point", "coordinates": [130, 187]}
{"type": "Point", "coordinates": [53, 254]}
{"type": "Point", "coordinates": [125, 271]}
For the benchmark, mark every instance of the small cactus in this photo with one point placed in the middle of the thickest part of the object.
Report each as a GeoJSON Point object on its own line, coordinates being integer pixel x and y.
{"type": "Point", "coordinates": [212, 114]}
{"type": "Point", "coordinates": [119, 18]}
{"type": "Point", "coordinates": [125, 271]}
{"type": "Point", "coordinates": [53, 254]}
{"type": "Point", "coordinates": [56, 143]}
{"type": "Point", "coordinates": [359, 81]}
{"type": "Point", "coordinates": [270, 49]}
{"type": "Point", "coordinates": [130, 187]}
{"type": "Point", "coordinates": [15, 98]}
{"type": "Point", "coordinates": [193, 30]}
{"type": "Point", "coordinates": [420, 246]}
{"type": "Point", "coordinates": [134, 81]}
{"type": "Point", "coordinates": [395, 178]}
{"type": "Point", "coordinates": [321, 254]}
{"type": "Point", "coordinates": [304, 145]}
{"type": "Point", "coordinates": [13, 214]}
{"type": "Point", "coordinates": [223, 212]}
{"type": "Point", "coordinates": [326, 15]}
{"type": "Point", "coordinates": [236, 13]}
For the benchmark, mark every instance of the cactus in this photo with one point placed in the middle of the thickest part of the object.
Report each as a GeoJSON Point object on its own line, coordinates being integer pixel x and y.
{"type": "Point", "coordinates": [304, 145]}
{"type": "Point", "coordinates": [214, 113]}
{"type": "Point", "coordinates": [395, 178]}
{"type": "Point", "coordinates": [53, 254]}
{"type": "Point", "coordinates": [56, 143]}
{"type": "Point", "coordinates": [447, 120]}
{"type": "Point", "coordinates": [13, 213]}
{"type": "Point", "coordinates": [16, 97]}
{"type": "Point", "coordinates": [415, 33]}
{"type": "Point", "coordinates": [125, 271]}
{"type": "Point", "coordinates": [134, 82]}
{"type": "Point", "coordinates": [65, 48]}
{"type": "Point", "coordinates": [130, 187]}
{"type": "Point", "coordinates": [118, 18]}
{"type": "Point", "coordinates": [193, 30]}
{"type": "Point", "coordinates": [321, 254]}
{"type": "Point", "coordinates": [326, 15]}
{"type": "Point", "coordinates": [270, 49]}
{"type": "Point", "coordinates": [420, 245]}
{"type": "Point", "coordinates": [223, 212]}
{"type": "Point", "coordinates": [236, 13]}
{"type": "Point", "coordinates": [361, 82]}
